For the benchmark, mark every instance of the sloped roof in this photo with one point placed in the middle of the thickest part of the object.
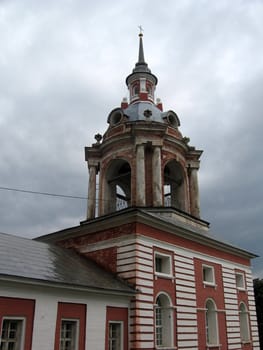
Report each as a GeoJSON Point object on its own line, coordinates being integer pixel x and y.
{"type": "Point", "coordinates": [47, 263]}
{"type": "Point", "coordinates": [166, 219]}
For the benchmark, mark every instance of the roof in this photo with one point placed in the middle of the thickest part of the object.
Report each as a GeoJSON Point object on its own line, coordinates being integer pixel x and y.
{"type": "Point", "coordinates": [136, 111]}
{"type": "Point", "coordinates": [47, 263]}
{"type": "Point", "coordinates": [170, 220]}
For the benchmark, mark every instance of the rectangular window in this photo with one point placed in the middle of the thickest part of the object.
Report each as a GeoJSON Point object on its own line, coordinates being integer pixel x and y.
{"type": "Point", "coordinates": [11, 336]}
{"type": "Point", "coordinates": [240, 280]}
{"type": "Point", "coordinates": [68, 335]}
{"type": "Point", "coordinates": [163, 264]}
{"type": "Point", "coordinates": [208, 275]}
{"type": "Point", "coordinates": [115, 336]}
{"type": "Point", "coordinates": [158, 326]}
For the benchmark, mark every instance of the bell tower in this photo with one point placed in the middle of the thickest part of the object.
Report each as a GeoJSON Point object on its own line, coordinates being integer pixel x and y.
{"type": "Point", "coordinates": [142, 160]}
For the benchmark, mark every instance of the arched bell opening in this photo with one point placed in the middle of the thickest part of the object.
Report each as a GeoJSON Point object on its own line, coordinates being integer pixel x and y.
{"type": "Point", "coordinates": [174, 185]}
{"type": "Point", "coordinates": [117, 186]}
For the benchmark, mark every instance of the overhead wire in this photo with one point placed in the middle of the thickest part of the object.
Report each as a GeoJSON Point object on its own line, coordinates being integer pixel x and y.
{"type": "Point", "coordinates": [50, 194]}
{"type": "Point", "coordinates": [42, 193]}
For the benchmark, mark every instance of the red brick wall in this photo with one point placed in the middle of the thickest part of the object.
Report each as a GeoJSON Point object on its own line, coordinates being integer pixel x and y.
{"type": "Point", "coordinates": [107, 258]}
{"type": "Point", "coordinates": [216, 293]}
{"type": "Point", "coordinates": [71, 311]}
{"type": "Point", "coordinates": [182, 242]}
{"type": "Point", "coordinates": [17, 308]}
{"type": "Point", "coordinates": [118, 314]}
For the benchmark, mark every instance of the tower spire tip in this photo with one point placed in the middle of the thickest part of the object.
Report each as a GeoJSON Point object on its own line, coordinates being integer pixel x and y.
{"type": "Point", "coordinates": [141, 31]}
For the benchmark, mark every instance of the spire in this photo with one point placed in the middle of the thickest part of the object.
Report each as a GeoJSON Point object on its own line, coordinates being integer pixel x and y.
{"type": "Point", "coordinates": [141, 67]}
{"type": "Point", "coordinates": [141, 53]}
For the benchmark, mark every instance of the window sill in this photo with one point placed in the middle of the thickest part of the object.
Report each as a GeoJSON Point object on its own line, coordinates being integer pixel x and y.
{"type": "Point", "coordinates": [163, 275]}
{"type": "Point", "coordinates": [213, 346]}
{"type": "Point", "coordinates": [209, 284]}
{"type": "Point", "coordinates": [165, 347]}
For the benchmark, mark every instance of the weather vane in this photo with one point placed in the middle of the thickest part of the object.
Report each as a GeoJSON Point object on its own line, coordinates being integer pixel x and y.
{"type": "Point", "coordinates": [141, 29]}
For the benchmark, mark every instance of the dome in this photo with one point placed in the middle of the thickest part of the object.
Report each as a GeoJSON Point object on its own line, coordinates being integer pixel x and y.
{"type": "Point", "coordinates": [143, 111]}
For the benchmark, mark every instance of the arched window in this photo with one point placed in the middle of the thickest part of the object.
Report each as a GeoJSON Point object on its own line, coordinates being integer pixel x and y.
{"type": "Point", "coordinates": [244, 323]}
{"type": "Point", "coordinates": [211, 323]}
{"type": "Point", "coordinates": [117, 188]}
{"type": "Point", "coordinates": [174, 189]}
{"type": "Point", "coordinates": [135, 89]}
{"type": "Point", "coordinates": [163, 321]}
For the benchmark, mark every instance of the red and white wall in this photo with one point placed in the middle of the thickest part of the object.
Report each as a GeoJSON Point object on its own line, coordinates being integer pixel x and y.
{"type": "Point", "coordinates": [134, 254]}
{"type": "Point", "coordinates": [42, 308]}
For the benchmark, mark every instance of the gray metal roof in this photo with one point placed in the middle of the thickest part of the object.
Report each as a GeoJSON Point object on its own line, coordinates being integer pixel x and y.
{"type": "Point", "coordinates": [136, 111]}
{"type": "Point", "coordinates": [29, 259]}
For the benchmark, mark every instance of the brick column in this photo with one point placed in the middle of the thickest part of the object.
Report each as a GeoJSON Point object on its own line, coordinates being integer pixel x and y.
{"type": "Point", "coordinates": [194, 192]}
{"type": "Point", "coordinates": [91, 210]}
{"type": "Point", "coordinates": [157, 177]}
{"type": "Point", "coordinates": [140, 176]}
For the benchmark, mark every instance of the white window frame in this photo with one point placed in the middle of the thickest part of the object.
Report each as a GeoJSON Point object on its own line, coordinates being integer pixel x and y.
{"type": "Point", "coordinates": [167, 319]}
{"type": "Point", "coordinates": [120, 323]}
{"type": "Point", "coordinates": [240, 281]}
{"type": "Point", "coordinates": [210, 281]}
{"type": "Point", "coordinates": [76, 322]}
{"type": "Point", "coordinates": [211, 325]}
{"type": "Point", "coordinates": [166, 262]}
{"type": "Point", "coordinates": [22, 331]}
{"type": "Point", "coordinates": [244, 323]}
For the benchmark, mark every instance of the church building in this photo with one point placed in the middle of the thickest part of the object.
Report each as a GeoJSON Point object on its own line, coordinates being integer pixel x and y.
{"type": "Point", "coordinates": [143, 271]}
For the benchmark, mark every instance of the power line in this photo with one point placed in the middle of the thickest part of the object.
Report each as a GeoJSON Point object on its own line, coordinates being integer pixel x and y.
{"type": "Point", "coordinates": [52, 194]}
{"type": "Point", "coordinates": [42, 193]}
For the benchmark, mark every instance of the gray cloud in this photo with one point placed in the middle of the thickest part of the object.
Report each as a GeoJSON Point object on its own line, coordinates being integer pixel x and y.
{"type": "Point", "coordinates": [63, 66]}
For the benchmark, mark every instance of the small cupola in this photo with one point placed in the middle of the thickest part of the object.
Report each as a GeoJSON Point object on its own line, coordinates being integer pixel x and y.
{"type": "Point", "coordinates": [141, 82]}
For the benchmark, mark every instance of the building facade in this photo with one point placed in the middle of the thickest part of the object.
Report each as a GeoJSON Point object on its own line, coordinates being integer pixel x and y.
{"type": "Point", "coordinates": [161, 279]}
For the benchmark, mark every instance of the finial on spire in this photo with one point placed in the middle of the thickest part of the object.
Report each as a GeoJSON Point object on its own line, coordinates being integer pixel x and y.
{"type": "Point", "coordinates": [141, 30]}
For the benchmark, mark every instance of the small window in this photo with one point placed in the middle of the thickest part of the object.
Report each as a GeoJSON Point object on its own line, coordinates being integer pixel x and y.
{"type": "Point", "coordinates": [68, 335]}
{"type": "Point", "coordinates": [208, 275]}
{"type": "Point", "coordinates": [240, 280]}
{"type": "Point", "coordinates": [135, 90]}
{"type": "Point", "coordinates": [11, 336]}
{"type": "Point", "coordinates": [163, 264]}
{"type": "Point", "coordinates": [115, 336]}
{"type": "Point", "coordinates": [244, 323]}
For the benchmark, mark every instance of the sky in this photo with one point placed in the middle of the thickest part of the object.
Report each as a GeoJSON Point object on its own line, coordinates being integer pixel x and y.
{"type": "Point", "coordinates": [63, 66]}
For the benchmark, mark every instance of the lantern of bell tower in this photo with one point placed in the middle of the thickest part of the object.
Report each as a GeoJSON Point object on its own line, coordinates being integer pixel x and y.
{"type": "Point", "coordinates": [142, 160]}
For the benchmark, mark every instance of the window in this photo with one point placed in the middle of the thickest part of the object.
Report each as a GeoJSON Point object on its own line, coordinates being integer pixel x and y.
{"type": "Point", "coordinates": [163, 322]}
{"type": "Point", "coordinates": [135, 90]}
{"type": "Point", "coordinates": [11, 337]}
{"type": "Point", "coordinates": [167, 195]}
{"type": "Point", "coordinates": [240, 280]}
{"type": "Point", "coordinates": [163, 264]}
{"type": "Point", "coordinates": [244, 323]}
{"type": "Point", "coordinates": [68, 335]}
{"type": "Point", "coordinates": [211, 323]}
{"type": "Point", "coordinates": [115, 336]}
{"type": "Point", "coordinates": [208, 275]}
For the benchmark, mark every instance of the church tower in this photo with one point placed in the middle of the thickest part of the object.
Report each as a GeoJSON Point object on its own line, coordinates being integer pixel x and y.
{"type": "Point", "coordinates": [191, 290]}
{"type": "Point", "coordinates": [142, 160]}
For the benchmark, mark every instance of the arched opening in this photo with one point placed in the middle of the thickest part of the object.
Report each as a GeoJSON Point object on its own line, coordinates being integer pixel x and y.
{"type": "Point", "coordinates": [117, 186]}
{"type": "Point", "coordinates": [211, 323]}
{"type": "Point", "coordinates": [174, 189]}
{"type": "Point", "coordinates": [163, 321]}
{"type": "Point", "coordinates": [244, 323]}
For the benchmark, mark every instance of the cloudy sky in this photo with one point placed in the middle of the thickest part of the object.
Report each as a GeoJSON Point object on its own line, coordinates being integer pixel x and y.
{"type": "Point", "coordinates": [63, 66]}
